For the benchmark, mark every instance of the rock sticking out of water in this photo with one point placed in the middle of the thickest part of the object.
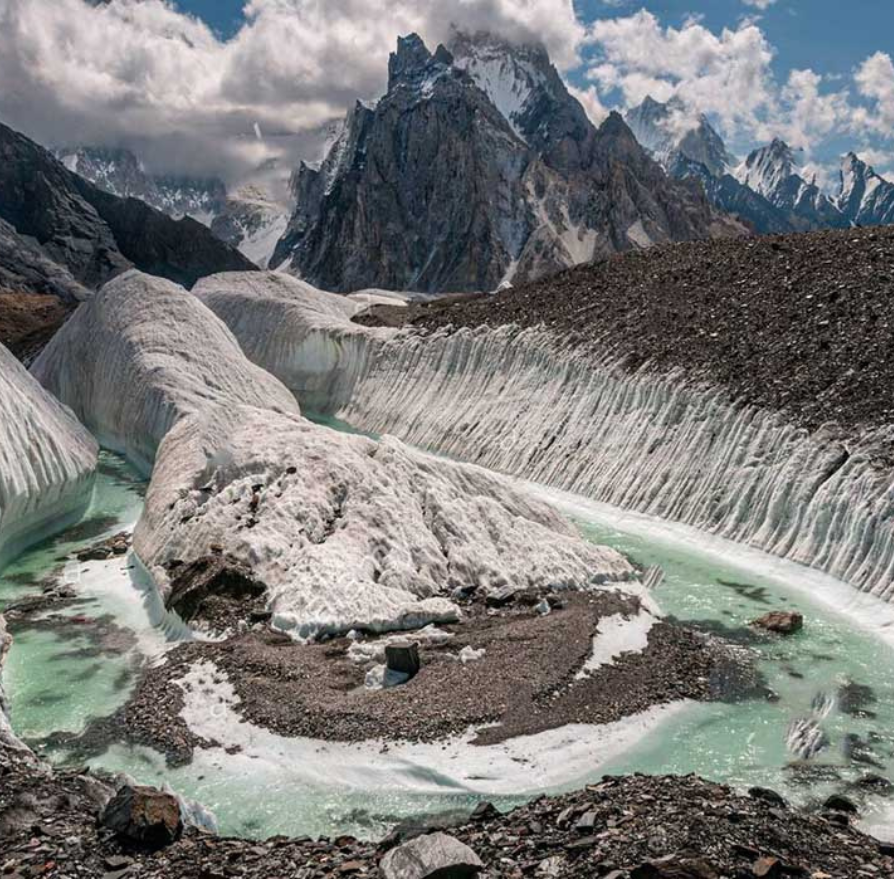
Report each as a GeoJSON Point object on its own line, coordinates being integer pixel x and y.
{"type": "Point", "coordinates": [781, 622]}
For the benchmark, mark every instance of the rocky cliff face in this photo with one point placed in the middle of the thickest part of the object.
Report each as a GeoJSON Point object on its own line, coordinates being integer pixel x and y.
{"type": "Point", "coordinates": [93, 234]}
{"type": "Point", "coordinates": [477, 168]}
{"type": "Point", "coordinates": [866, 198]}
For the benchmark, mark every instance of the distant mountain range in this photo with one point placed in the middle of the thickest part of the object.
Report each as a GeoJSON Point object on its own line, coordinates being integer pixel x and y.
{"type": "Point", "coordinates": [478, 168]}
{"type": "Point", "coordinates": [767, 189]}
{"type": "Point", "coordinates": [61, 234]}
{"type": "Point", "coordinates": [249, 219]}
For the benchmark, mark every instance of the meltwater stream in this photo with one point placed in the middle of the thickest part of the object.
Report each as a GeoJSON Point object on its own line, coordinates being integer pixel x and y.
{"type": "Point", "coordinates": [70, 665]}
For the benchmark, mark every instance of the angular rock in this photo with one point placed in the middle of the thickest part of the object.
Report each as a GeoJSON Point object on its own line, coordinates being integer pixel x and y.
{"type": "Point", "coordinates": [403, 657]}
{"type": "Point", "coordinates": [436, 856]}
{"type": "Point", "coordinates": [767, 868]}
{"type": "Point", "coordinates": [143, 816]}
{"type": "Point", "coordinates": [781, 622]}
{"type": "Point", "coordinates": [766, 795]}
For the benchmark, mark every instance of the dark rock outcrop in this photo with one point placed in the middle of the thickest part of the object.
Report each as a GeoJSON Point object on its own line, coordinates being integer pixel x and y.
{"type": "Point", "coordinates": [213, 588]}
{"type": "Point", "coordinates": [441, 187]}
{"type": "Point", "coordinates": [143, 816]}
{"type": "Point", "coordinates": [96, 235]}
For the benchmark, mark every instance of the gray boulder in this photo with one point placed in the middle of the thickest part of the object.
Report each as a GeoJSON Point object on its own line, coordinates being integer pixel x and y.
{"type": "Point", "coordinates": [436, 856]}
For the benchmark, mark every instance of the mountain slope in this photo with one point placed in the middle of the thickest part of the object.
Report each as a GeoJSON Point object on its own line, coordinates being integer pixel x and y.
{"type": "Point", "coordinates": [94, 234]}
{"type": "Point", "coordinates": [866, 198]}
{"type": "Point", "coordinates": [474, 170]}
{"type": "Point", "coordinates": [772, 172]}
{"type": "Point", "coordinates": [119, 172]}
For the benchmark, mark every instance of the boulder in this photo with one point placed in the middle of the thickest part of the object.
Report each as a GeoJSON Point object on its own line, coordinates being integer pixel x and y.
{"type": "Point", "coordinates": [211, 576]}
{"type": "Point", "coordinates": [143, 816]}
{"type": "Point", "coordinates": [403, 657]}
{"type": "Point", "coordinates": [767, 868]}
{"type": "Point", "coordinates": [782, 622]}
{"type": "Point", "coordinates": [768, 796]}
{"type": "Point", "coordinates": [838, 803]}
{"type": "Point", "coordinates": [435, 856]}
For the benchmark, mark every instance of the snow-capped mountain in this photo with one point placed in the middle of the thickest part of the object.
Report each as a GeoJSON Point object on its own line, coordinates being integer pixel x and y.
{"type": "Point", "coordinates": [252, 223]}
{"type": "Point", "coordinates": [773, 172]}
{"type": "Point", "coordinates": [120, 172]}
{"type": "Point", "coordinates": [865, 198]}
{"type": "Point", "coordinates": [478, 168]}
{"type": "Point", "coordinates": [769, 190]}
{"type": "Point", "coordinates": [667, 131]}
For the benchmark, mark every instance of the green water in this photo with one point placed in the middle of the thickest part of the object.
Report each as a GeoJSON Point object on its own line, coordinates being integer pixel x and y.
{"type": "Point", "coordinates": [78, 663]}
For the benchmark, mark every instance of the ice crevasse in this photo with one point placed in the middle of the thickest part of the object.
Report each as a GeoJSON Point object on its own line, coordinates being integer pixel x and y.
{"type": "Point", "coordinates": [346, 533]}
{"type": "Point", "coordinates": [525, 403]}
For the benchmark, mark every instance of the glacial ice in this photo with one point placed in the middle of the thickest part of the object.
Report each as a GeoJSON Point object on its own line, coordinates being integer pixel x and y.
{"type": "Point", "coordinates": [302, 335]}
{"type": "Point", "coordinates": [141, 355]}
{"type": "Point", "coordinates": [348, 533]}
{"type": "Point", "coordinates": [47, 461]}
{"type": "Point", "coordinates": [523, 403]}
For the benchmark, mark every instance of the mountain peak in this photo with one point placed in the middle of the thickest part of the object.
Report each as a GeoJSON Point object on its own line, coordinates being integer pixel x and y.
{"type": "Point", "coordinates": [410, 61]}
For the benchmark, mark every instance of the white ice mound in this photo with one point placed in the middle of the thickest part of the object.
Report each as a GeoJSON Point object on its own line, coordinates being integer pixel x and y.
{"type": "Point", "coordinates": [304, 336]}
{"type": "Point", "coordinates": [348, 533]}
{"type": "Point", "coordinates": [141, 355]}
{"type": "Point", "coordinates": [47, 461]}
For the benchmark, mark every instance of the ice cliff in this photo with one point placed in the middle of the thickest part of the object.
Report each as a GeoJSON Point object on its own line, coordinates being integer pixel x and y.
{"type": "Point", "coordinates": [302, 335]}
{"type": "Point", "coordinates": [47, 461]}
{"type": "Point", "coordinates": [141, 355]}
{"type": "Point", "coordinates": [521, 402]}
{"type": "Point", "coordinates": [345, 532]}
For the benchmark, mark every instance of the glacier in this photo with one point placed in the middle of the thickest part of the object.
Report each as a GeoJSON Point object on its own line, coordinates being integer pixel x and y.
{"type": "Point", "coordinates": [525, 403]}
{"type": "Point", "coordinates": [347, 533]}
{"type": "Point", "coordinates": [47, 461]}
{"type": "Point", "coordinates": [141, 355]}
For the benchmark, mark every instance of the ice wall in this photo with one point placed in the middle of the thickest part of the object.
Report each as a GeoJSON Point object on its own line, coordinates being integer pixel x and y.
{"type": "Point", "coordinates": [141, 355]}
{"type": "Point", "coordinates": [520, 403]}
{"type": "Point", "coordinates": [345, 532]}
{"type": "Point", "coordinates": [349, 533]}
{"type": "Point", "coordinates": [47, 461]}
{"type": "Point", "coordinates": [299, 333]}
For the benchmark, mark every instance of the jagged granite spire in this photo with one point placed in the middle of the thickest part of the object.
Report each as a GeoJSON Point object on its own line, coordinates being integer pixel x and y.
{"type": "Point", "coordinates": [477, 168]}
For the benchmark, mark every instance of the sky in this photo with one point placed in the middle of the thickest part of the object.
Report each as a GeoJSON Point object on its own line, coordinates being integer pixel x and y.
{"type": "Point", "coordinates": [225, 86]}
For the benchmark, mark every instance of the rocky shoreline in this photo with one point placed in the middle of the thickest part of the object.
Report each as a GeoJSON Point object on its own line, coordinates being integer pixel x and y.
{"type": "Point", "coordinates": [626, 828]}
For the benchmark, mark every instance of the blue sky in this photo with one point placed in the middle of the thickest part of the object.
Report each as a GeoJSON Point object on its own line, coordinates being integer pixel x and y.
{"type": "Point", "coordinates": [189, 84]}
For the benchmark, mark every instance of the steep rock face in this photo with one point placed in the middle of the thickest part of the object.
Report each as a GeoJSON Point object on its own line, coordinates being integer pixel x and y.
{"type": "Point", "coordinates": [476, 169]}
{"type": "Point", "coordinates": [26, 268]}
{"type": "Point", "coordinates": [143, 354]}
{"type": "Point", "coordinates": [734, 198]}
{"type": "Point", "coordinates": [866, 198]}
{"type": "Point", "coordinates": [94, 234]}
{"type": "Point", "coordinates": [47, 461]}
{"type": "Point", "coordinates": [119, 172]}
{"type": "Point", "coordinates": [773, 173]}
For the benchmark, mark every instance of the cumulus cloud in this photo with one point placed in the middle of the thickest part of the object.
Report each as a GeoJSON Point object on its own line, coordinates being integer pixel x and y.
{"type": "Point", "coordinates": [875, 80]}
{"type": "Point", "coordinates": [726, 74]}
{"type": "Point", "coordinates": [759, 4]}
{"type": "Point", "coordinates": [142, 73]}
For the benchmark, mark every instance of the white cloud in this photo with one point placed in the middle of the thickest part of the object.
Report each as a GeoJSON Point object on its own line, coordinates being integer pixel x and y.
{"type": "Point", "coordinates": [142, 73]}
{"type": "Point", "coordinates": [875, 80]}
{"type": "Point", "coordinates": [759, 4]}
{"type": "Point", "coordinates": [589, 99]}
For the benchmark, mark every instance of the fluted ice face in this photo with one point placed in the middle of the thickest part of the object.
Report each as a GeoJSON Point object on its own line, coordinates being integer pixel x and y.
{"type": "Point", "coordinates": [348, 533]}
{"type": "Point", "coordinates": [302, 335]}
{"type": "Point", "coordinates": [47, 461]}
{"type": "Point", "coordinates": [141, 355]}
{"type": "Point", "coordinates": [519, 402]}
